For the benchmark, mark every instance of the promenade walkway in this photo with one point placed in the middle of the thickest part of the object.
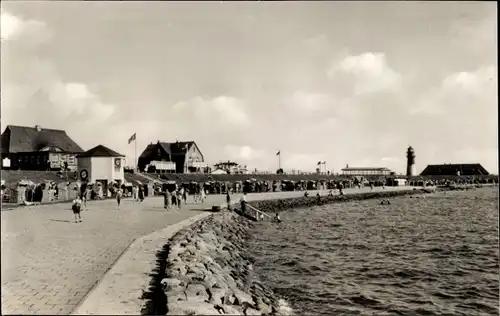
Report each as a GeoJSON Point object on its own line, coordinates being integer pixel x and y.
{"type": "Point", "coordinates": [50, 263]}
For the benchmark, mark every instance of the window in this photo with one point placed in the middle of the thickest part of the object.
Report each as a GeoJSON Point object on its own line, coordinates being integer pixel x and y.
{"type": "Point", "coordinates": [37, 160]}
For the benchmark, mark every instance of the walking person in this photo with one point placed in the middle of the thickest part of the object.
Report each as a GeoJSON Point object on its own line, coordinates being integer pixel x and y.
{"type": "Point", "coordinates": [76, 207]}
{"type": "Point", "coordinates": [179, 199]}
{"type": "Point", "coordinates": [84, 199]}
{"type": "Point", "coordinates": [168, 200]}
{"type": "Point", "coordinates": [203, 195]}
{"type": "Point", "coordinates": [141, 194]}
{"type": "Point", "coordinates": [119, 194]}
{"type": "Point", "coordinates": [228, 200]}
{"type": "Point", "coordinates": [185, 194]}
{"type": "Point", "coordinates": [135, 193]}
{"type": "Point", "coordinates": [196, 194]}
{"type": "Point", "coordinates": [243, 202]}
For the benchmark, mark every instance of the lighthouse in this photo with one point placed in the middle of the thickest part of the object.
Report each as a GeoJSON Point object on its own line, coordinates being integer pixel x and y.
{"type": "Point", "coordinates": [410, 165]}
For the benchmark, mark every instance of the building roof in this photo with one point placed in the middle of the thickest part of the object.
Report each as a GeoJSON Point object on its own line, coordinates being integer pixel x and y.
{"type": "Point", "coordinates": [365, 169]}
{"type": "Point", "coordinates": [100, 151]}
{"type": "Point", "coordinates": [17, 139]}
{"type": "Point", "coordinates": [177, 147]}
{"type": "Point", "coordinates": [226, 163]}
{"type": "Point", "coordinates": [452, 169]}
{"type": "Point", "coordinates": [170, 148]}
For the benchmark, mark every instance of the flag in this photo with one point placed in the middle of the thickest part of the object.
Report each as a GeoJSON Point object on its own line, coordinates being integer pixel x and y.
{"type": "Point", "coordinates": [132, 138]}
{"type": "Point", "coordinates": [278, 153]}
{"type": "Point", "coordinates": [319, 163]}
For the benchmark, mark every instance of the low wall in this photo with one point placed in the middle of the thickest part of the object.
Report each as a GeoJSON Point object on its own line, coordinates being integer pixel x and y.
{"type": "Point", "coordinates": [207, 270]}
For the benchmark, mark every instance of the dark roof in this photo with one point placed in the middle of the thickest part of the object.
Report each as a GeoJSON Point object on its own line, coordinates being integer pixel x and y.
{"type": "Point", "coordinates": [366, 169]}
{"type": "Point", "coordinates": [100, 151]}
{"type": "Point", "coordinates": [177, 147]}
{"type": "Point", "coordinates": [170, 148]}
{"type": "Point", "coordinates": [226, 163]}
{"type": "Point", "coordinates": [16, 139]}
{"type": "Point", "coordinates": [452, 169]}
{"type": "Point", "coordinates": [149, 149]}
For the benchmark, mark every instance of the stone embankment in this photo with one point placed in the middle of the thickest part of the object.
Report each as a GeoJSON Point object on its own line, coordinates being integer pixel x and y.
{"type": "Point", "coordinates": [208, 272]}
{"type": "Point", "coordinates": [284, 204]}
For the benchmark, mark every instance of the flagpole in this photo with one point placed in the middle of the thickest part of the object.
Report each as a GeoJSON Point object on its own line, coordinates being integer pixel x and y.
{"type": "Point", "coordinates": [135, 152]}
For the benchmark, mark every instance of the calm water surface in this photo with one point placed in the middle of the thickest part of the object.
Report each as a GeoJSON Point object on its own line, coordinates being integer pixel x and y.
{"type": "Point", "coordinates": [436, 255]}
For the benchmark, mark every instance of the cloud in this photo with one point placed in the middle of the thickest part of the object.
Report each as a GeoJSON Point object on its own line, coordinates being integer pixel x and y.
{"type": "Point", "coordinates": [317, 44]}
{"type": "Point", "coordinates": [477, 36]}
{"type": "Point", "coordinates": [224, 109]}
{"type": "Point", "coordinates": [33, 90]}
{"type": "Point", "coordinates": [243, 153]}
{"type": "Point", "coordinates": [305, 102]}
{"type": "Point", "coordinates": [475, 91]}
{"type": "Point", "coordinates": [302, 161]}
{"type": "Point", "coordinates": [16, 28]}
{"type": "Point", "coordinates": [390, 159]}
{"type": "Point", "coordinates": [370, 70]}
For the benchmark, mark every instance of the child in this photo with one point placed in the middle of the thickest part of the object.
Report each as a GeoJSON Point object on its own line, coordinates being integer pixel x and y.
{"type": "Point", "coordinates": [119, 194]}
{"type": "Point", "coordinates": [76, 207]}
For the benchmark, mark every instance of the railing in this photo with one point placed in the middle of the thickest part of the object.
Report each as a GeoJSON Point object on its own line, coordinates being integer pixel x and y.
{"type": "Point", "coordinates": [257, 213]}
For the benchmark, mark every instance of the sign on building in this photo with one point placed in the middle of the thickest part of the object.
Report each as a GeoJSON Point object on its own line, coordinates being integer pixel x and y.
{"type": "Point", "coordinates": [6, 162]}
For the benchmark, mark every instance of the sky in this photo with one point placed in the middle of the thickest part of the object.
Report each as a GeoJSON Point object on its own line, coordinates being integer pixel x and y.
{"type": "Point", "coordinates": [343, 82]}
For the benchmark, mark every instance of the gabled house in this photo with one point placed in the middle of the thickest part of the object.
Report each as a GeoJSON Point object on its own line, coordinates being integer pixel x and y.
{"type": "Point", "coordinates": [37, 148]}
{"type": "Point", "coordinates": [178, 157]}
{"type": "Point", "coordinates": [472, 169]}
{"type": "Point", "coordinates": [101, 165]}
{"type": "Point", "coordinates": [230, 167]}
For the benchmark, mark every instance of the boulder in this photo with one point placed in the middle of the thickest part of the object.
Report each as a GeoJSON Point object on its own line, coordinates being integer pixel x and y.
{"type": "Point", "coordinates": [193, 270]}
{"type": "Point", "coordinates": [175, 296]}
{"type": "Point", "coordinates": [242, 297]}
{"type": "Point", "coordinates": [191, 308]}
{"type": "Point", "coordinates": [196, 292]}
{"type": "Point", "coordinates": [218, 296]}
{"type": "Point", "coordinates": [170, 283]}
{"type": "Point", "coordinates": [250, 311]}
{"type": "Point", "coordinates": [230, 310]}
{"type": "Point", "coordinates": [178, 269]}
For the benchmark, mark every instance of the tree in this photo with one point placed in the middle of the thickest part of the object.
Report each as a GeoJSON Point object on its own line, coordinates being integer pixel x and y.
{"type": "Point", "coordinates": [279, 171]}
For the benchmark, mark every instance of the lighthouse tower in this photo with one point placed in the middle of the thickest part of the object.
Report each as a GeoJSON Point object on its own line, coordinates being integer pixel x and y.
{"type": "Point", "coordinates": [410, 158]}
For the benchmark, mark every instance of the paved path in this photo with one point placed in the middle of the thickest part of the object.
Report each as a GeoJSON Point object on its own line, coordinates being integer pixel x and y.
{"type": "Point", "coordinates": [50, 263]}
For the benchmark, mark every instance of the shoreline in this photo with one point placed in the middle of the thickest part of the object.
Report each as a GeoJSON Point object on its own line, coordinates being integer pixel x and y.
{"type": "Point", "coordinates": [207, 271]}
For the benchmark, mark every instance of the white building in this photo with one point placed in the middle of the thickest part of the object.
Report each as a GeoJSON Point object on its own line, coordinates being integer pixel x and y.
{"type": "Point", "coordinates": [231, 167]}
{"type": "Point", "coordinates": [101, 165]}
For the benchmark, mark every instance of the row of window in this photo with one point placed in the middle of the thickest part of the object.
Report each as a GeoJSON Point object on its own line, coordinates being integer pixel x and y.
{"type": "Point", "coordinates": [44, 160]}
{"type": "Point", "coordinates": [33, 160]}
{"type": "Point", "coordinates": [367, 172]}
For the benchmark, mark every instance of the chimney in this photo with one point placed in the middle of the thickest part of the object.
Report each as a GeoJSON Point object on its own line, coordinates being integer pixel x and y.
{"type": "Point", "coordinates": [38, 128]}
{"type": "Point", "coordinates": [347, 166]}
